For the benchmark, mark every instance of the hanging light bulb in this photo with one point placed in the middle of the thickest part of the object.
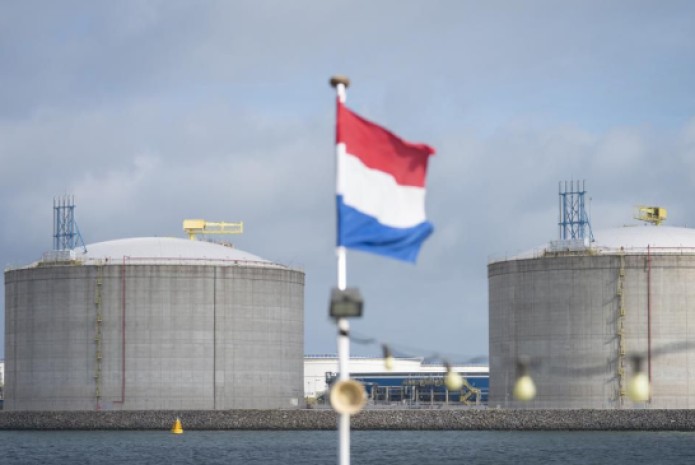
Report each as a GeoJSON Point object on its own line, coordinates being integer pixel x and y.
{"type": "Point", "coordinates": [453, 381]}
{"type": "Point", "coordinates": [388, 357]}
{"type": "Point", "coordinates": [638, 388]}
{"type": "Point", "coordinates": [524, 387]}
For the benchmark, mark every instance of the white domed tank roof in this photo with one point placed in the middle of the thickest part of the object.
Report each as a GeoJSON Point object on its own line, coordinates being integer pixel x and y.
{"type": "Point", "coordinates": [164, 248]}
{"type": "Point", "coordinates": [629, 239]}
{"type": "Point", "coordinates": [638, 238]}
{"type": "Point", "coordinates": [160, 251]}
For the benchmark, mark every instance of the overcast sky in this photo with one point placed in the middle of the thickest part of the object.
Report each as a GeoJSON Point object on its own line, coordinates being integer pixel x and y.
{"type": "Point", "coordinates": [151, 112]}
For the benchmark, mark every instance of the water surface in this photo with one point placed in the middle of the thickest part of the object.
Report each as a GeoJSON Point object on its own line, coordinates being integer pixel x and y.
{"type": "Point", "coordinates": [368, 447]}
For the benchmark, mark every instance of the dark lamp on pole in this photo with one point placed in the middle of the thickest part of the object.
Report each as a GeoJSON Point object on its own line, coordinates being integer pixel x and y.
{"type": "Point", "coordinates": [346, 303]}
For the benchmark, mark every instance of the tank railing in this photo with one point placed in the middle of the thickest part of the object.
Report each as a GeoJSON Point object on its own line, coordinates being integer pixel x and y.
{"type": "Point", "coordinates": [153, 260]}
{"type": "Point", "coordinates": [647, 249]}
{"type": "Point", "coordinates": [593, 250]}
{"type": "Point", "coordinates": [193, 261]}
{"type": "Point", "coordinates": [518, 255]}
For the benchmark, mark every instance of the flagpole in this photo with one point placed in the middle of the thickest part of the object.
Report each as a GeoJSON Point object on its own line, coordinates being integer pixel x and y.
{"type": "Point", "coordinates": [340, 83]}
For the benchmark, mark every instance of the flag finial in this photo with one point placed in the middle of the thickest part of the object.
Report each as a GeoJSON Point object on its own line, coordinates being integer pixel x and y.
{"type": "Point", "coordinates": [339, 79]}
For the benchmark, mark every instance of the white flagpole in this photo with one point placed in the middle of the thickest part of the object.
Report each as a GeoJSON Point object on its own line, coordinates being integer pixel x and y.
{"type": "Point", "coordinates": [341, 83]}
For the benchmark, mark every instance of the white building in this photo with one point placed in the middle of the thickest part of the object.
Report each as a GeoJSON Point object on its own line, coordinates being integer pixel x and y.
{"type": "Point", "coordinates": [318, 369]}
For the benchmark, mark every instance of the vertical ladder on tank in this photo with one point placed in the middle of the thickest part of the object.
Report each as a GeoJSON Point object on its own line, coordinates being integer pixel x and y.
{"type": "Point", "coordinates": [99, 319]}
{"type": "Point", "coordinates": [620, 330]}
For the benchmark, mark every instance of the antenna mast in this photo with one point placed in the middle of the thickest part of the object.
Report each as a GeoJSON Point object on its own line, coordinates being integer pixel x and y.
{"type": "Point", "coordinates": [573, 220]}
{"type": "Point", "coordinates": [66, 234]}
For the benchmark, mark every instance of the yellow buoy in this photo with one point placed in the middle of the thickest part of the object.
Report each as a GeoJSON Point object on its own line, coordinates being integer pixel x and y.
{"type": "Point", "coordinates": [177, 428]}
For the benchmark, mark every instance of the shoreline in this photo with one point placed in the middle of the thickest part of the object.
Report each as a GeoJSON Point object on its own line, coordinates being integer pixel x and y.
{"type": "Point", "coordinates": [381, 419]}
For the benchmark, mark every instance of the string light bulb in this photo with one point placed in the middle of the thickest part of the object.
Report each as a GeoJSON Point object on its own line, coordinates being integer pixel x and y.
{"type": "Point", "coordinates": [638, 388]}
{"type": "Point", "coordinates": [453, 381]}
{"type": "Point", "coordinates": [524, 387]}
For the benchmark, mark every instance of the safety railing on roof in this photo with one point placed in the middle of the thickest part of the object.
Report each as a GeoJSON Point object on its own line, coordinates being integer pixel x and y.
{"type": "Point", "coordinates": [593, 250]}
{"type": "Point", "coordinates": [76, 260]}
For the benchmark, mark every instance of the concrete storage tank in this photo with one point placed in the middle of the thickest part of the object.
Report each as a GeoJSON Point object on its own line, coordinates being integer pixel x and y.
{"type": "Point", "coordinates": [153, 323]}
{"type": "Point", "coordinates": [579, 312]}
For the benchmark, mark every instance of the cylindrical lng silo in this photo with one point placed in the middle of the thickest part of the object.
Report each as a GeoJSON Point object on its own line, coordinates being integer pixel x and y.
{"type": "Point", "coordinates": [153, 323]}
{"type": "Point", "coordinates": [581, 311]}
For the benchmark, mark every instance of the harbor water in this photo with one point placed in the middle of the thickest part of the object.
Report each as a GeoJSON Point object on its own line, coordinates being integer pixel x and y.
{"type": "Point", "coordinates": [368, 447]}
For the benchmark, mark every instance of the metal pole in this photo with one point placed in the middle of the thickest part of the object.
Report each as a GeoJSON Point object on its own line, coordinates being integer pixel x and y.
{"type": "Point", "coordinates": [343, 374]}
{"type": "Point", "coordinates": [649, 319]}
{"type": "Point", "coordinates": [559, 210]}
{"type": "Point", "coordinates": [340, 83]}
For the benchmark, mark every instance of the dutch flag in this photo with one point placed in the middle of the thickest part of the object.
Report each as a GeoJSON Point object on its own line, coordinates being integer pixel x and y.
{"type": "Point", "coordinates": [380, 189]}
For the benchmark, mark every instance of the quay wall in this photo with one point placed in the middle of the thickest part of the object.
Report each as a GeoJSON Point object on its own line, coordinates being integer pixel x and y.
{"type": "Point", "coordinates": [323, 419]}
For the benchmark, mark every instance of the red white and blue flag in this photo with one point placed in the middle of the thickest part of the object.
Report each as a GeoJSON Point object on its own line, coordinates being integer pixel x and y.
{"type": "Point", "coordinates": [380, 189]}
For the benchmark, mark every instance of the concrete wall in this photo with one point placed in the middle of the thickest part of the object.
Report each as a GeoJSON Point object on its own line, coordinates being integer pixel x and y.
{"type": "Point", "coordinates": [139, 337]}
{"type": "Point", "coordinates": [564, 312]}
{"type": "Point", "coordinates": [470, 419]}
